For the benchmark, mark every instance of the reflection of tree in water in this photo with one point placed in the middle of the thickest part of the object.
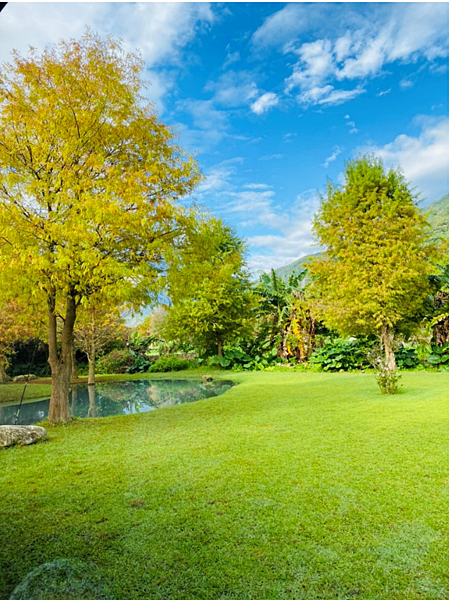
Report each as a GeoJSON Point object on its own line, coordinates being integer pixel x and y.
{"type": "Point", "coordinates": [135, 396]}
{"type": "Point", "coordinates": [109, 399]}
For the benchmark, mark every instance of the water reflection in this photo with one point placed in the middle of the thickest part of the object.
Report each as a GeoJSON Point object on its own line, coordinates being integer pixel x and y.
{"type": "Point", "coordinates": [119, 398]}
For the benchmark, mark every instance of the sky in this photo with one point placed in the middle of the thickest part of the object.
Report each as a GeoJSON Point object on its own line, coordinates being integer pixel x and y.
{"type": "Point", "coordinates": [274, 98]}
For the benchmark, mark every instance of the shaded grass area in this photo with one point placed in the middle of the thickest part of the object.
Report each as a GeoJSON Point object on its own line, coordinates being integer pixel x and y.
{"type": "Point", "coordinates": [290, 485]}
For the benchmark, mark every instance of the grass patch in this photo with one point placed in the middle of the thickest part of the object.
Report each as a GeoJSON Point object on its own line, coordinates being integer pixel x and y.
{"type": "Point", "coordinates": [300, 486]}
{"type": "Point", "coordinates": [10, 392]}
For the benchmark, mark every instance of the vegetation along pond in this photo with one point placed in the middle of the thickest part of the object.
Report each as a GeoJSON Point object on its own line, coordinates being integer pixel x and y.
{"type": "Point", "coordinates": [118, 398]}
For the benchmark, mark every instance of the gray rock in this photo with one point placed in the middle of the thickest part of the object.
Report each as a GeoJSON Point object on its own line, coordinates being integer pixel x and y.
{"type": "Point", "coordinates": [28, 377]}
{"type": "Point", "coordinates": [22, 435]}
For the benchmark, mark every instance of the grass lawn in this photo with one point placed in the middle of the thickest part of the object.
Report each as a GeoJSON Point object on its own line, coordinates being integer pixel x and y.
{"type": "Point", "coordinates": [300, 486]}
{"type": "Point", "coordinates": [11, 392]}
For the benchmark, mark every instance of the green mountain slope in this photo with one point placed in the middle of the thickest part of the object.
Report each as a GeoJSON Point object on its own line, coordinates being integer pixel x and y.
{"type": "Point", "coordinates": [437, 216]}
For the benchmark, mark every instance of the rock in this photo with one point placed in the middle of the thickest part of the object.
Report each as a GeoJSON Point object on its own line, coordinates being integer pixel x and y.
{"type": "Point", "coordinates": [207, 378]}
{"type": "Point", "coordinates": [28, 377]}
{"type": "Point", "coordinates": [22, 435]}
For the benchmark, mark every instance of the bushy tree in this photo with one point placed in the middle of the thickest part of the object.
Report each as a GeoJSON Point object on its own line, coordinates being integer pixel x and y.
{"type": "Point", "coordinates": [211, 300]}
{"type": "Point", "coordinates": [96, 327]}
{"type": "Point", "coordinates": [89, 179]}
{"type": "Point", "coordinates": [373, 277]}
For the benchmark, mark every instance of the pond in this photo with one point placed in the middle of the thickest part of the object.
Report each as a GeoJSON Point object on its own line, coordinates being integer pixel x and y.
{"type": "Point", "coordinates": [118, 398]}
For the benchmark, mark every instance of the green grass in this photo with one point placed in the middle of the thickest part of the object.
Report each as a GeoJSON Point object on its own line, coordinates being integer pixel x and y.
{"type": "Point", "coordinates": [300, 486]}
{"type": "Point", "coordinates": [10, 392]}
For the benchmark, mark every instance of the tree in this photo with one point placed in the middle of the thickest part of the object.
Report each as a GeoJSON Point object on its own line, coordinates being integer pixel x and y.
{"type": "Point", "coordinates": [95, 328]}
{"type": "Point", "coordinates": [211, 300]}
{"type": "Point", "coordinates": [16, 324]}
{"type": "Point", "coordinates": [89, 179]}
{"type": "Point", "coordinates": [374, 275]}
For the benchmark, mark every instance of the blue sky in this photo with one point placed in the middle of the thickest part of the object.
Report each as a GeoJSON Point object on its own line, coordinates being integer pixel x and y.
{"type": "Point", "coordinates": [273, 98]}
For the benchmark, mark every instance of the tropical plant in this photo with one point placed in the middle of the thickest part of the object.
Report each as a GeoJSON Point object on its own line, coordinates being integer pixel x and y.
{"type": "Point", "coordinates": [341, 355]}
{"type": "Point", "coordinates": [284, 315]}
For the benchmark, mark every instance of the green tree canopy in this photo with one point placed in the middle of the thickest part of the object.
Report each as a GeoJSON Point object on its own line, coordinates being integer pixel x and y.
{"type": "Point", "coordinates": [211, 299]}
{"type": "Point", "coordinates": [89, 179]}
{"type": "Point", "coordinates": [374, 276]}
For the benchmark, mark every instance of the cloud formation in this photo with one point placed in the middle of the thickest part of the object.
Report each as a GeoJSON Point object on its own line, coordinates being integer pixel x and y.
{"type": "Point", "coordinates": [422, 158]}
{"type": "Point", "coordinates": [352, 45]}
{"type": "Point", "coordinates": [264, 103]}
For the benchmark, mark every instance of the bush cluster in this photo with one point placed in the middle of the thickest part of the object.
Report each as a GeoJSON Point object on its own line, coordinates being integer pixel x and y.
{"type": "Point", "coordinates": [171, 363]}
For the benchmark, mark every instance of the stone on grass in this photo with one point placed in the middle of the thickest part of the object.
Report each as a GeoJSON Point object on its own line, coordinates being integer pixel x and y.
{"type": "Point", "coordinates": [21, 435]}
{"type": "Point", "coordinates": [28, 377]}
{"type": "Point", "coordinates": [63, 579]}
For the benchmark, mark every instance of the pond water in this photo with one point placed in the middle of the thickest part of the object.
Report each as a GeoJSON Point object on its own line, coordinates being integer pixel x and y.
{"type": "Point", "coordinates": [118, 398]}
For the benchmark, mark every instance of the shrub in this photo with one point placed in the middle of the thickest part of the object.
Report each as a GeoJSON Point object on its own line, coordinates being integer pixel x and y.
{"type": "Point", "coordinates": [253, 356]}
{"type": "Point", "coordinates": [170, 363]}
{"type": "Point", "coordinates": [406, 358]}
{"type": "Point", "coordinates": [341, 355]}
{"type": "Point", "coordinates": [438, 356]}
{"type": "Point", "coordinates": [387, 380]}
{"type": "Point", "coordinates": [118, 361]}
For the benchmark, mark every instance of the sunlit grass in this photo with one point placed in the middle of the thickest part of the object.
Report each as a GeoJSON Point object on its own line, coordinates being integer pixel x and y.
{"type": "Point", "coordinates": [290, 485]}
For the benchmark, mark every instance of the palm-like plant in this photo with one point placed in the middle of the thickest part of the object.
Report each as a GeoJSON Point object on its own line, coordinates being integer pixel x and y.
{"type": "Point", "coordinates": [285, 314]}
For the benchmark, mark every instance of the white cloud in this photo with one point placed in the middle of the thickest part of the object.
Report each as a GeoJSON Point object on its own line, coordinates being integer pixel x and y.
{"type": "Point", "coordinates": [264, 103]}
{"type": "Point", "coordinates": [233, 88]}
{"type": "Point", "coordinates": [217, 177]}
{"type": "Point", "coordinates": [337, 150]}
{"type": "Point", "coordinates": [231, 58]}
{"type": "Point", "coordinates": [282, 26]}
{"type": "Point", "coordinates": [393, 32]}
{"type": "Point", "coordinates": [257, 186]}
{"type": "Point", "coordinates": [328, 96]}
{"type": "Point", "coordinates": [294, 238]}
{"type": "Point", "coordinates": [423, 159]}
{"type": "Point", "coordinates": [383, 93]}
{"type": "Point", "coordinates": [159, 31]}
{"type": "Point", "coordinates": [405, 84]}
{"type": "Point", "coordinates": [271, 157]}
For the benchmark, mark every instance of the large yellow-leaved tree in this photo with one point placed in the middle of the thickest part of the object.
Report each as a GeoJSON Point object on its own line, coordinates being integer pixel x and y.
{"type": "Point", "coordinates": [89, 183]}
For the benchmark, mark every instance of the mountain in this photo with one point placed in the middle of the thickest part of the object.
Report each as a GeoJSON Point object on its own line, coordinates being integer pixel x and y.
{"type": "Point", "coordinates": [437, 216]}
{"type": "Point", "coordinates": [298, 266]}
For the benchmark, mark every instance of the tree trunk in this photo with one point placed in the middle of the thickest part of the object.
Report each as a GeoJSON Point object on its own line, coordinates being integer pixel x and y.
{"type": "Point", "coordinates": [387, 339]}
{"type": "Point", "coordinates": [91, 376]}
{"type": "Point", "coordinates": [220, 348]}
{"type": "Point", "coordinates": [60, 359]}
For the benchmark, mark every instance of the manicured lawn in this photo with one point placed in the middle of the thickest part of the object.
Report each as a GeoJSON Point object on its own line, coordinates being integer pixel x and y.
{"type": "Point", "coordinates": [289, 486]}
